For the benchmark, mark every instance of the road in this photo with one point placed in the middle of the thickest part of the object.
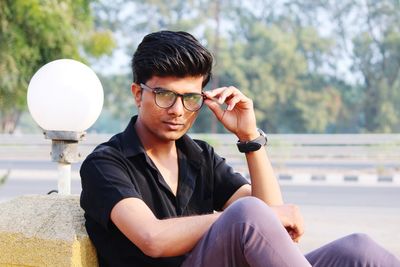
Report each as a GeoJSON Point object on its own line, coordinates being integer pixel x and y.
{"type": "Point", "coordinates": [41, 164]}
{"type": "Point", "coordinates": [315, 195]}
{"type": "Point", "coordinates": [330, 212]}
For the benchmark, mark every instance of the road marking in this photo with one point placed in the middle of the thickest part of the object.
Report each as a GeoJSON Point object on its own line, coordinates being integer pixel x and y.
{"type": "Point", "coordinates": [284, 178]}
{"type": "Point", "coordinates": [338, 179]}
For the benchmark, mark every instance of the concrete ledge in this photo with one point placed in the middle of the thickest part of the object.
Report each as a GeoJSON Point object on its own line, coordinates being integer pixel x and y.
{"type": "Point", "coordinates": [42, 230]}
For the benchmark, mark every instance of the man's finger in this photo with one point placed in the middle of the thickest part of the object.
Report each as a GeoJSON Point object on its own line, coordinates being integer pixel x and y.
{"type": "Point", "coordinates": [215, 108]}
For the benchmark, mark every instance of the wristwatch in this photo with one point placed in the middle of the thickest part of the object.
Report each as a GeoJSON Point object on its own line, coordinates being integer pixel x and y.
{"type": "Point", "coordinates": [253, 145]}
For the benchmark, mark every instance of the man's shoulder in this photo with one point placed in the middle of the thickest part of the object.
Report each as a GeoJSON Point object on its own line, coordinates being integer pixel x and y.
{"type": "Point", "coordinates": [111, 148]}
{"type": "Point", "coordinates": [192, 144]}
{"type": "Point", "coordinates": [204, 145]}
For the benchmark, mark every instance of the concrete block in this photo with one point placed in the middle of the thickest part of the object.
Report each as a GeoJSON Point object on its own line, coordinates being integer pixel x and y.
{"type": "Point", "coordinates": [396, 179]}
{"type": "Point", "coordinates": [44, 230]}
{"type": "Point", "coordinates": [368, 179]}
{"type": "Point", "coordinates": [334, 179]}
{"type": "Point", "coordinates": [302, 178]}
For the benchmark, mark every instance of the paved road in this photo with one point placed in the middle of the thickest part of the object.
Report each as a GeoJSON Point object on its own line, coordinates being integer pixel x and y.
{"type": "Point", "coordinates": [343, 196]}
{"type": "Point", "coordinates": [339, 196]}
{"type": "Point", "coordinates": [326, 223]}
{"type": "Point", "coordinates": [329, 212]}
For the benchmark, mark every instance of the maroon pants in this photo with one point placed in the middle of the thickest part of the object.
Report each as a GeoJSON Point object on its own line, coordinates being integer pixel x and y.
{"type": "Point", "coordinates": [248, 233]}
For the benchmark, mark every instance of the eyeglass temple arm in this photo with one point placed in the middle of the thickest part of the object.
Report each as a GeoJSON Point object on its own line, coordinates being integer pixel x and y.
{"type": "Point", "coordinates": [211, 98]}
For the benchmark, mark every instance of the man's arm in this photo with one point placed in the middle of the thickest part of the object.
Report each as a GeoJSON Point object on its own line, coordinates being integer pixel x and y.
{"type": "Point", "coordinates": [153, 236]}
{"type": "Point", "coordinates": [239, 118]}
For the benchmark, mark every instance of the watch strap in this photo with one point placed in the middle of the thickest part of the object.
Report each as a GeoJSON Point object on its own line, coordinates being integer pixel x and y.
{"type": "Point", "coordinates": [252, 145]}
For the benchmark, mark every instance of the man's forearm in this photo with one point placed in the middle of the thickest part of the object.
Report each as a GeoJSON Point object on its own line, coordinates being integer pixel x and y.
{"type": "Point", "coordinates": [264, 184]}
{"type": "Point", "coordinates": [177, 236]}
{"type": "Point", "coordinates": [159, 238]}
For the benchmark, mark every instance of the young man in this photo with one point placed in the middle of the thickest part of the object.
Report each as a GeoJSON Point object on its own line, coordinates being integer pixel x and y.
{"type": "Point", "coordinates": [150, 193]}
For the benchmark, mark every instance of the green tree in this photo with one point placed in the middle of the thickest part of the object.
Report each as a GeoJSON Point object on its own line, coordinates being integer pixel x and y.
{"type": "Point", "coordinates": [281, 71]}
{"type": "Point", "coordinates": [310, 66]}
{"type": "Point", "coordinates": [370, 40]}
{"type": "Point", "coordinates": [193, 16]}
{"type": "Point", "coordinates": [34, 32]}
{"type": "Point", "coordinates": [118, 103]}
{"type": "Point", "coordinates": [377, 57]}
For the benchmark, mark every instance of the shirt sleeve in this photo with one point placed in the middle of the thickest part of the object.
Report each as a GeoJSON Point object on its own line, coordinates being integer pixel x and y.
{"type": "Point", "coordinates": [105, 182]}
{"type": "Point", "coordinates": [226, 181]}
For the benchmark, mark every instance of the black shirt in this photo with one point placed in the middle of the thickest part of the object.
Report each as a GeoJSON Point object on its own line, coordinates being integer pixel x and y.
{"type": "Point", "coordinates": [120, 168]}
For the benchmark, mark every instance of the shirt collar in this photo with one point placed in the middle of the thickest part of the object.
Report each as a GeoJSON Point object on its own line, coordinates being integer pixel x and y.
{"type": "Point", "coordinates": [190, 148]}
{"type": "Point", "coordinates": [130, 142]}
{"type": "Point", "coordinates": [132, 146]}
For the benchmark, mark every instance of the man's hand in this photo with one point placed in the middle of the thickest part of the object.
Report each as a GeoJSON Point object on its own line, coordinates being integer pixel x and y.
{"type": "Point", "coordinates": [238, 117]}
{"type": "Point", "coordinates": [291, 219]}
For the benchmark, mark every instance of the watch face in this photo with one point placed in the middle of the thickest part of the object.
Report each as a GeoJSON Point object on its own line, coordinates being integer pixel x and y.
{"type": "Point", "coordinates": [253, 147]}
{"type": "Point", "coordinates": [261, 132]}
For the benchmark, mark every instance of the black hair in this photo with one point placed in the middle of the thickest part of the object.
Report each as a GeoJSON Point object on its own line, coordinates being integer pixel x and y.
{"type": "Point", "coordinates": [168, 53]}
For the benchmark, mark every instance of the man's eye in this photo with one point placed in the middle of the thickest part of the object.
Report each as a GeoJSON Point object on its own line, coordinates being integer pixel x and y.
{"type": "Point", "coordinates": [166, 93]}
{"type": "Point", "coordinates": [193, 97]}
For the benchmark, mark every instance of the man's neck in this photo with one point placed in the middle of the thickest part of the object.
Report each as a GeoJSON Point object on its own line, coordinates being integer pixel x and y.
{"type": "Point", "coordinates": [163, 154]}
{"type": "Point", "coordinates": [154, 147]}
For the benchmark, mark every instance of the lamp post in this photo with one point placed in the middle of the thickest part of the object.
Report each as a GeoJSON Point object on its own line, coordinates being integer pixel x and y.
{"type": "Point", "coordinates": [65, 97]}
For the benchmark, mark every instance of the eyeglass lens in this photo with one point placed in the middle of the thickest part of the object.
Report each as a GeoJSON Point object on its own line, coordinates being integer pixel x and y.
{"type": "Point", "coordinates": [166, 99]}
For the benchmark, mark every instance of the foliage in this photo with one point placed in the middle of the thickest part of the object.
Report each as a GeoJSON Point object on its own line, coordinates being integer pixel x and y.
{"type": "Point", "coordinates": [310, 66]}
{"type": "Point", "coordinates": [117, 90]}
{"type": "Point", "coordinates": [34, 32]}
{"type": "Point", "coordinates": [377, 57]}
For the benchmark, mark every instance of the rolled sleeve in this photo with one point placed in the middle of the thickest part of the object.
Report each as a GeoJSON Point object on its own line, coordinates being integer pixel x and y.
{"type": "Point", "coordinates": [105, 182]}
{"type": "Point", "coordinates": [226, 182]}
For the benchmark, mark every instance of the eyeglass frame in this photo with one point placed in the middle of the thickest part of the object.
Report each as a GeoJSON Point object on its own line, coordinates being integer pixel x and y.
{"type": "Point", "coordinates": [182, 96]}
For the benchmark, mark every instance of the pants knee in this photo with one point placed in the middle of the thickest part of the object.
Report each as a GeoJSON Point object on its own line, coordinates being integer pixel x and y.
{"type": "Point", "coordinates": [250, 209]}
{"type": "Point", "coordinates": [358, 246]}
{"type": "Point", "coordinates": [357, 240]}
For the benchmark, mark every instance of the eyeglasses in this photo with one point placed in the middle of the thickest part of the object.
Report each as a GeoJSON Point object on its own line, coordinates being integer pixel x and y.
{"type": "Point", "coordinates": [166, 98]}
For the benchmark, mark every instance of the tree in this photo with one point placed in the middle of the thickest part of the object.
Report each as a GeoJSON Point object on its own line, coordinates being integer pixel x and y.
{"type": "Point", "coordinates": [377, 57]}
{"type": "Point", "coordinates": [193, 16]}
{"type": "Point", "coordinates": [367, 34]}
{"type": "Point", "coordinates": [32, 33]}
{"type": "Point", "coordinates": [281, 72]}
{"type": "Point", "coordinates": [310, 65]}
{"type": "Point", "coordinates": [115, 116]}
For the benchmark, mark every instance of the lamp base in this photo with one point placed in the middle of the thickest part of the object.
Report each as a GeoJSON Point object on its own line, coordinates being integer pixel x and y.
{"type": "Point", "coordinates": [64, 147]}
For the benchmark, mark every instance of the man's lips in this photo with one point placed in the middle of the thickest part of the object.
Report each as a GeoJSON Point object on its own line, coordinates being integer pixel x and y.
{"type": "Point", "coordinates": [174, 125]}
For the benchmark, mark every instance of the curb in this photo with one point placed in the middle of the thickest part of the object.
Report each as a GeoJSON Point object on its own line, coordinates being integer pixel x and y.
{"type": "Point", "coordinates": [338, 179]}
{"type": "Point", "coordinates": [283, 178]}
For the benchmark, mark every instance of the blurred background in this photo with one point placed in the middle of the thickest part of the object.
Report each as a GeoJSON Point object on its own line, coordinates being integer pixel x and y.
{"type": "Point", "coordinates": [324, 77]}
{"type": "Point", "coordinates": [311, 66]}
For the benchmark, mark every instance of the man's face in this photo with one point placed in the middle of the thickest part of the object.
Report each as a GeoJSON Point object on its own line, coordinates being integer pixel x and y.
{"type": "Point", "coordinates": [167, 124]}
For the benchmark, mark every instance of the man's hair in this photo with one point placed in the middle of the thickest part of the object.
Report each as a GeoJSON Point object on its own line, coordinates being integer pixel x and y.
{"type": "Point", "coordinates": [168, 53]}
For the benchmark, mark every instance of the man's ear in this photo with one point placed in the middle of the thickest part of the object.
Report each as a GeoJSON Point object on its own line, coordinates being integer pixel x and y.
{"type": "Point", "coordinates": [137, 93]}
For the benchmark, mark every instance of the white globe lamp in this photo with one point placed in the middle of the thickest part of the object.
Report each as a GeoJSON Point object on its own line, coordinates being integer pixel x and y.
{"type": "Point", "coordinates": [65, 97]}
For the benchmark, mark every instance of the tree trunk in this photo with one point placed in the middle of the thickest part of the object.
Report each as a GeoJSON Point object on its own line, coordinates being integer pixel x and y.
{"type": "Point", "coordinates": [215, 79]}
{"type": "Point", "coordinates": [9, 121]}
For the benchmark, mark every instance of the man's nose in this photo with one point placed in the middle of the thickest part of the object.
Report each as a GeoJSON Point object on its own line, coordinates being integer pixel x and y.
{"type": "Point", "coordinates": [177, 108]}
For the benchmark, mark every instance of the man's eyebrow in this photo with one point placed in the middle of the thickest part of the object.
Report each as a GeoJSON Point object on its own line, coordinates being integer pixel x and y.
{"type": "Point", "coordinates": [162, 88]}
{"type": "Point", "coordinates": [165, 89]}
